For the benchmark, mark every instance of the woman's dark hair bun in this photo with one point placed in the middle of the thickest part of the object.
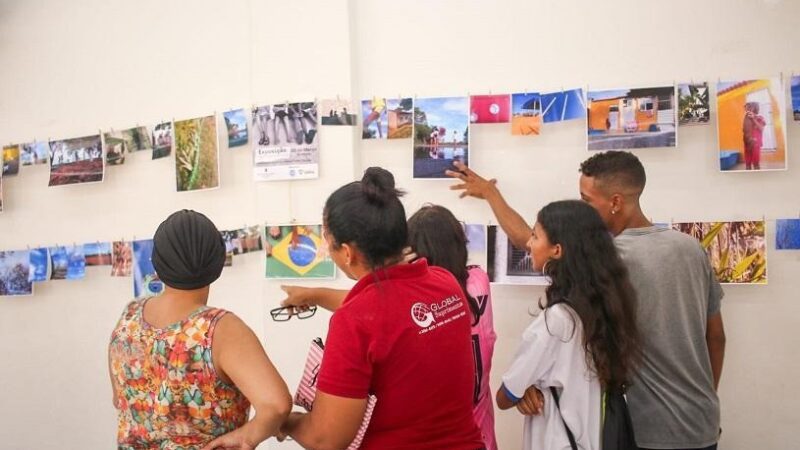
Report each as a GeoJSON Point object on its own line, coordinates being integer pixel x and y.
{"type": "Point", "coordinates": [378, 186]}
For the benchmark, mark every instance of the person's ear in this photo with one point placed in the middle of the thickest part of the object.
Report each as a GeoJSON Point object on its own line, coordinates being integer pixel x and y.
{"type": "Point", "coordinates": [348, 253]}
{"type": "Point", "coordinates": [556, 252]}
{"type": "Point", "coordinates": [617, 201]}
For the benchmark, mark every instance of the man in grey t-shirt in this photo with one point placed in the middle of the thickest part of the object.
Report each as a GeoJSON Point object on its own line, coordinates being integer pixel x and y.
{"type": "Point", "coordinates": [673, 402]}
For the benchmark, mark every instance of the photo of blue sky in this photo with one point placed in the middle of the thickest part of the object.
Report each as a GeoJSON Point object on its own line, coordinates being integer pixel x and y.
{"type": "Point", "coordinates": [563, 105]}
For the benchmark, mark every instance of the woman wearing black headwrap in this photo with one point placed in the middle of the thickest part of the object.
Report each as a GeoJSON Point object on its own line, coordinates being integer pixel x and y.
{"type": "Point", "coordinates": [188, 251]}
{"type": "Point", "coordinates": [172, 387]}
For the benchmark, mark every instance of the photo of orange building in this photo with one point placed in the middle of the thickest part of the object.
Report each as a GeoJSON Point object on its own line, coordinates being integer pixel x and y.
{"type": "Point", "coordinates": [752, 125]}
{"type": "Point", "coordinates": [631, 118]}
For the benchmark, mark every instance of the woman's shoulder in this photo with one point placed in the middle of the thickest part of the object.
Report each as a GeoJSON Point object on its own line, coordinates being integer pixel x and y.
{"type": "Point", "coordinates": [477, 273]}
{"type": "Point", "coordinates": [558, 321]}
{"type": "Point", "coordinates": [132, 309]}
{"type": "Point", "coordinates": [478, 281]}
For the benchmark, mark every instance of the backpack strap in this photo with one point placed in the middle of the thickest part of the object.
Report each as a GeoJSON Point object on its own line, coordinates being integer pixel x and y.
{"type": "Point", "coordinates": [571, 438]}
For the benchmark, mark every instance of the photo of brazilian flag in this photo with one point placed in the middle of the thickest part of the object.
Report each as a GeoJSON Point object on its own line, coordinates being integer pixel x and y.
{"type": "Point", "coordinates": [297, 251]}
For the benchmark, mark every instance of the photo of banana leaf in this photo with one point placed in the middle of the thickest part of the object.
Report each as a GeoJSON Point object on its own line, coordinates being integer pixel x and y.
{"type": "Point", "coordinates": [737, 250]}
{"type": "Point", "coordinates": [196, 154]}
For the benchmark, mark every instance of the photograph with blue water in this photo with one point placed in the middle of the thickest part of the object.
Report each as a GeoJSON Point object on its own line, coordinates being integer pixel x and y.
{"type": "Point", "coordinates": [787, 234]}
{"type": "Point", "coordinates": [14, 273]}
{"type": "Point", "coordinates": [441, 135]}
{"type": "Point", "coordinates": [236, 126]}
{"type": "Point", "coordinates": [39, 264]}
{"type": "Point", "coordinates": [297, 251]}
{"type": "Point", "coordinates": [622, 119]}
{"type": "Point", "coordinates": [145, 279]}
{"type": "Point", "coordinates": [563, 105]}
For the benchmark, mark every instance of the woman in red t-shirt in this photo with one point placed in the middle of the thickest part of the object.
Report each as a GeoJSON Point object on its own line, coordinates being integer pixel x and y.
{"type": "Point", "coordinates": [402, 334]}
{"type": "Point", "coordinates": [436, 235]}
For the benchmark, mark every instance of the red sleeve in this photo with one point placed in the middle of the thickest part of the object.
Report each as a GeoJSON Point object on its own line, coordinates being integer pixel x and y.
{"type": "Point", "coordinates": [346, 366]}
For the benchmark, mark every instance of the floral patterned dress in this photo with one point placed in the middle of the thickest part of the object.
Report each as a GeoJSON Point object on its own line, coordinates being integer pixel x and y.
{"type": "Point", "coordinates": [168, 393]}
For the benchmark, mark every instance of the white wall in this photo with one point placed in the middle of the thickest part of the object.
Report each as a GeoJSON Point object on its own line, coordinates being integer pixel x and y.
{"type": "Point", "coordinates": [70, 68]}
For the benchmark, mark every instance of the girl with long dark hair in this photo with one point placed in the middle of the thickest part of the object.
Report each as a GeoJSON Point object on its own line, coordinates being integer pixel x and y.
{"type": "Point", "coordinates": [586, 341]}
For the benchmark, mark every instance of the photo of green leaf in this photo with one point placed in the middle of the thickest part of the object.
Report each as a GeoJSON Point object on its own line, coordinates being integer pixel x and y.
{"type": "Point", "coordinates": [737, 250]}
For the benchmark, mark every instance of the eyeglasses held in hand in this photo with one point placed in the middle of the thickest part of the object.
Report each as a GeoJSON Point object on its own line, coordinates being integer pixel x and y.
{"type": "Point", "coordinates": [285, 313]}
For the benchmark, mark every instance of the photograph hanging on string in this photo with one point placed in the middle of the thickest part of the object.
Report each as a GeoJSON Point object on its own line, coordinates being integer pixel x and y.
{"type": "Point", "coordinates": [236, 127]}
{"type": "Point", "coordinates": [162, 140]}
{"type": "Point", "coordinates": [231, 247]}
{"type": "Point", "coordinates": [145, 280]}
{"type": "Point", "coordinates": [121, 259]}
{"type": "Point", "coordinates": [34, 153]}
{"type": "Point", "coordinates": [526, 113]}
{"type": "Point", "coordinates": [337, 112]}
{"type": "Point", "coordinates": [97, 253]}
{"type": "Point", "coordinates": [795, 91]}
{"type": "Point", "coordinates": [751, 125]}
{"type": "Point", "coordinates": [76, 160]}
{"type": "Point", "coordinates": [507, 264]}
{"type": "Point", "coordinates": [137, 139]}
{"type": "Point", "coordinates": [476, 244]}
{"type": "Point", "coordinates": [787, 234]}
{"type": "Point", "coordinates": [39, 262]}
{"type": "Point", "coordinates": [297, 251]}
{"type": "Point", "coordinates": [441, 135]}
{"type": "Point", "coordinates": [737, 250]}
{"type": "Point", "coordinates": [374, 124]}
{"type": "Point", "coordinates": [489, 108]}
{"type": "Point", "coordinates": [624, 119]}
{"type": "Point", "coordinates": [285, 142]}
{"type": "Point", "coordinates": [196, 154]}
{"type": "Point", "coordinates": [693, 104]}
{"type": "Point", "coordinates": [67, 262]}
{"type": "Point", "coordinates": [15, 273]}
{"type": "Point", "coordinates": [563, 105]}
{"type": "Point", "coordinates": [115, 147]}
{"type": "Point", "coordinates": [249, 239]}
{"type": "Point", "coordinates": [400, 117]}
{"type": "Point", "coordinates": [76, 267]}
{"type": "Point", "coordinates": [119, 142]}
{"type": "Point", "coordinates": [10, 160]}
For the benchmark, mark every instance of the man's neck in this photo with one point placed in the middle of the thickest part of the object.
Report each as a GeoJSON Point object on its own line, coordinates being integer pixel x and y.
{"type": "Point", "coordinates": [636, 219]}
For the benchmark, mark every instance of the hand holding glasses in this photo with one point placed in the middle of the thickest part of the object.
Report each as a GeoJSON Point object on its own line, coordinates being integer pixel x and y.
{"type": "Point", "coordinates": [285, 313]}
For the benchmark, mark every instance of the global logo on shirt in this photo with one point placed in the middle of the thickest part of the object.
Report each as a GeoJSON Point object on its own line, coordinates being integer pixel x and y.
{"type": "Point", "coordinates": [421, 314]}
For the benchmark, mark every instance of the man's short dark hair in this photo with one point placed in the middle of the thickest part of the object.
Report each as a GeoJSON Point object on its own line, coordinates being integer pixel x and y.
{"type": "Point", "coordinates": [616, 168]}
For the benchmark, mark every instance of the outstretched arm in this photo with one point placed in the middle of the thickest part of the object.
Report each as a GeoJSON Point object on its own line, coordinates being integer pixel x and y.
{"type": "Point", "coordinates": [302, 297]}
{"type": "Point", "coordinates": [474, 185]}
